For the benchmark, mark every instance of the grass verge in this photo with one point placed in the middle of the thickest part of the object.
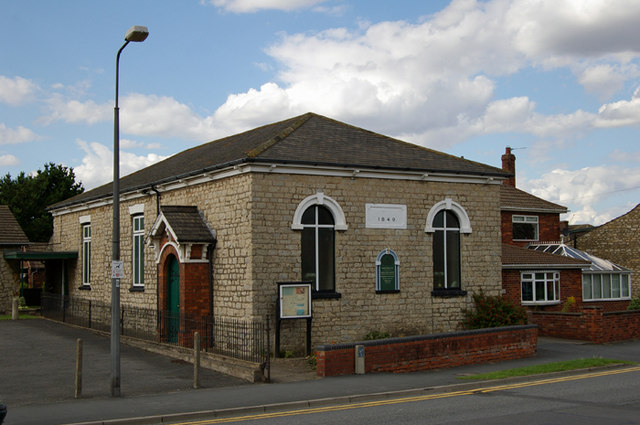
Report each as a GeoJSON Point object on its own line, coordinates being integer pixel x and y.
{"type": "Point", "coordinates": [546, 368]}
{"type": "Point", "coordinates": [20, 316]}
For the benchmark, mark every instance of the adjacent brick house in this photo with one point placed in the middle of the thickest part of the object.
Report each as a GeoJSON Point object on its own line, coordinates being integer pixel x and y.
{"type": "Point", "coordinates": [12, 238]}
{"type": "Point", "coordinates": [539, 270]}
{"type": "Point", "coordinates": [305, 199]}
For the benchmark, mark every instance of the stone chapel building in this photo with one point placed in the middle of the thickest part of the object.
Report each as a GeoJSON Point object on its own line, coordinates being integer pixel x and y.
{"type": "Point", "coordinates": [392, 236]}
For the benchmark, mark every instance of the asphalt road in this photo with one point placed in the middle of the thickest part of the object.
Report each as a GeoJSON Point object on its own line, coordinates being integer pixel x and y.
{"type": "Point", "coordinates": [608, 397]}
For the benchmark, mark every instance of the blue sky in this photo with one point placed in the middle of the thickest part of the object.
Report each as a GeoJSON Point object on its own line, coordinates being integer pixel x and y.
{"type": "Point", "coordinates": [558, 81]}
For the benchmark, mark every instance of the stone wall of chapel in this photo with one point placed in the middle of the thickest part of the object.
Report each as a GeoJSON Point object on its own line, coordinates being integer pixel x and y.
{"type": "Point", "coordinates": [67, 236]}
{"type": "Point", "coordinates": [225, 205]}
{"type": "Point", "coordinates": [276, 249]}
{"type": "Point", "coordinates": [252, 215]}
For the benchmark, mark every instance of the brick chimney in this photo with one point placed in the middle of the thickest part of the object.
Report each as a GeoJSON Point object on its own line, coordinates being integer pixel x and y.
{"type": "Point", "coordinates": [509, 165]}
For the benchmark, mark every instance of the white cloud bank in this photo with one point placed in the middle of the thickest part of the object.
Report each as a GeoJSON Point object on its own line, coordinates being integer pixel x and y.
{"type": "Point", "coordinates": [17, 90]}
{"type": "Point", "coordinates": [97, 164]}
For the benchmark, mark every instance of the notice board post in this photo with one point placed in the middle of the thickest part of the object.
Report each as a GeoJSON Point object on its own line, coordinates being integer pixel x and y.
{"type": "Point", "coordinates": [294, 302]}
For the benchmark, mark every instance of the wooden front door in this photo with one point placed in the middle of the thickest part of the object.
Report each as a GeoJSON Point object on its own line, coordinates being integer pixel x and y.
{"type": "Point", "coordinates": [173, 299]}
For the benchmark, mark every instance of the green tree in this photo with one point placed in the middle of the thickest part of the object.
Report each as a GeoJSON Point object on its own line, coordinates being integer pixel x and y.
{"type": "Point", "coordinates": [29, 195]}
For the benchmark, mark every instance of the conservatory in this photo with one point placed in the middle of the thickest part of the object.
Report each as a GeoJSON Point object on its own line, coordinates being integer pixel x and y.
{"type": "Point", "coordinates": [603, 281]}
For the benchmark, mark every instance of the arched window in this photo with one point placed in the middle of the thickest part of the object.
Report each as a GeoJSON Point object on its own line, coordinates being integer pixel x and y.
{"type": "Point", "coordinates": [318, 248]}
{"type": "Point", "coordinates": [446, 250]}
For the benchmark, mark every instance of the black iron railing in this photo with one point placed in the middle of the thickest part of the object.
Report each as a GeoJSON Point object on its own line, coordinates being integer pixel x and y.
{"type": "Point", "coordinates": [237, 338]}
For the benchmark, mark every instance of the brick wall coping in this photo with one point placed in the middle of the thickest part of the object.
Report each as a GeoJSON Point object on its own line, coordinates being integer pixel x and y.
{"type": "Point", "coordinates": [405, 339]}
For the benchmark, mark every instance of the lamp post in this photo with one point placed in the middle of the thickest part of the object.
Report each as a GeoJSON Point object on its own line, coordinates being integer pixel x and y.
{"type": "Point", "coordinates": [136, 34]}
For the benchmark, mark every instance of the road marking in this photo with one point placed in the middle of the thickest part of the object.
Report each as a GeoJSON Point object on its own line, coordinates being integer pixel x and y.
{"type": "Point", "coordinates": [412, 399]}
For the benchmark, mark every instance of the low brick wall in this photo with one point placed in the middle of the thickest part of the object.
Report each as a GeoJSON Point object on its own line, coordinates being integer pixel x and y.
{"type": "Point", "coordinates": [430, 351]}
{"type": "Point", "coordinates": [593, 324]}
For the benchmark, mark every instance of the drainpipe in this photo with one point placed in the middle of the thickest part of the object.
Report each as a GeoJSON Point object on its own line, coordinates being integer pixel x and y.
{"type": "Point", "coordinates": [157, 199]}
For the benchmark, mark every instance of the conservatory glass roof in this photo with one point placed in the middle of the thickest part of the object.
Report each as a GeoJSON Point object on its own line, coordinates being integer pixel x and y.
{"type": "Point", "coordinates": [597, 264]}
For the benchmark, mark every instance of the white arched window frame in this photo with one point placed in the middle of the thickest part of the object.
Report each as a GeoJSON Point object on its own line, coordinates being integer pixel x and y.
{"type": "Point", "coordinates": [396, 263]}
{"type": "Point", "coordinates": [319, 199]}
{"type": "Point", "coordinates": [450, 205]}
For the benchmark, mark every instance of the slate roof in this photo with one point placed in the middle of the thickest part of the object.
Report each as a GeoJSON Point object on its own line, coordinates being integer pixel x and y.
{"type": "Point", "coordinates": [516, 257]}
{"type": "Point", "coordinates": [519, 200]}
{"type": "Point", "coordinates": [308, 139]}
{"type": "Point", "coordinates": [187, 223]}
{"type": "Point", "coordinates": [11, 233]}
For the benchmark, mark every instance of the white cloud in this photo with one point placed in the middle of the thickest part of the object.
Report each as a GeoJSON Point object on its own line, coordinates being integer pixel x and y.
{"type": "Point", "coordinates": [248, 6]}
{"type": "Point", "coordinates": [19, 135]}
{"type": "Point", "coordinates": [603, 79]}
{"type": "Point", "coordinates": [621, 113]}
{"type": "Point", "coordinates": [163, 116]}
{"type": "Point", "coordinates": [17, 90]}
{"type": "Point", "coordinates": [581, 189]}
{"type": "Point", "coordinates": [620, 156]}
{"type": "Point", "coordinates": [434, 82]}
{"type": "Point", "coordinates": [9, 160]}
{"type": "Point", "coordinates": [97, 164]}
{"type": "Point", "coordinates": [75, 111]}
{"type": "Point", "coordinates": [554, 31]}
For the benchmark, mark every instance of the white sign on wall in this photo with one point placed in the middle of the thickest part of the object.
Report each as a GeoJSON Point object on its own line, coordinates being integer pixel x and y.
{"type": "Point", "coordinates": [386, 216]}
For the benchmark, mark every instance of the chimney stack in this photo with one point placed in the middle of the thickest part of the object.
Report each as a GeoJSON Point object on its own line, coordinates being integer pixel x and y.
{"type": "Point", "coordinates": [509, 166]}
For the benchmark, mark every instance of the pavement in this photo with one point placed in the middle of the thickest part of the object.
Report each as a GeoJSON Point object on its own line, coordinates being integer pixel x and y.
{"type": "Point", "coordinates": [37, 370]}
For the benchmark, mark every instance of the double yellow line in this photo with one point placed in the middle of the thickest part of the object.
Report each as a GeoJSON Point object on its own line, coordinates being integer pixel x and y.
{"type": "Point", "coordinates": [413, 399]}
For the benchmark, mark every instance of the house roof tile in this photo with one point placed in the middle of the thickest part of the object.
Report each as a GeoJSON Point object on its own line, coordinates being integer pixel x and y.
{"type": "Point", "coordinates": [514, 256]}
{"type": "Point", "coordinates": [515, 199]}
{"type": "Point", "coordinates": [12, 234]}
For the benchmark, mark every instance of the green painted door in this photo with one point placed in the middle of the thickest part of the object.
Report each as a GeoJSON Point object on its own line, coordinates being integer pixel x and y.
{"type": "Point", "coordinates": [173, 299]}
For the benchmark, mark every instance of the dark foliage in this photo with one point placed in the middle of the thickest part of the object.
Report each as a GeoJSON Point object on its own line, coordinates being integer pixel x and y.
{"type": "Point", "coordinates": [29, 195]}
{"type": "Point", "coordinates": [492, 312]}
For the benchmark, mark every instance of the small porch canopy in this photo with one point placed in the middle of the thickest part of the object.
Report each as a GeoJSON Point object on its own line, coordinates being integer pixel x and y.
{"type": "Point", "coordinates": [55, 266]}
{"type": "Point", "coordinates": [40, 256]}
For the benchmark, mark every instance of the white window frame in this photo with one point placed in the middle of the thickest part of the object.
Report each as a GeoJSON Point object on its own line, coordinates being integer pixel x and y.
{"type": "Point", "coordinates": [621, 278]}
{"type": "Point", "coordinates": [396, 263]}
{"type": "Point", "coordinates": [137, 270]}
{"type": "Point", "coordinates": [86, 253]}
{"type": "Point", "coordinates": [316, 229]}
{"type": "Point", "coordinates": [527, 219]}
{"type": "Point", "coordinates": [529, 276]}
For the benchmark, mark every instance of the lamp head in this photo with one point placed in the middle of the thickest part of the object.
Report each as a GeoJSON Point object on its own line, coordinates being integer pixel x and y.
{"type": "Point", "coordinates": [136, 33]}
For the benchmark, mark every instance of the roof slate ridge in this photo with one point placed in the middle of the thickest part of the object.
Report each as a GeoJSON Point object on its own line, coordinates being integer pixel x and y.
{"type": "Point", "coordinates": [282, 135]}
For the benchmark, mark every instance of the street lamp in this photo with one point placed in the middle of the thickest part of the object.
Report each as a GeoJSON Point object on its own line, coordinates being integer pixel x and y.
{"type": "Point", "coordinates": [136, 34]}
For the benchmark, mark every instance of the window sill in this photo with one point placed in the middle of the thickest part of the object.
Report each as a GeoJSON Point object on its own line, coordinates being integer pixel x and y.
{"type": "Point", "coordinates": [448, 293]}
{"type": "Point", "coordinates": [388, 291]}
{"type": "Point", "coordinates": [325, 295]}
{"type": "Point", "coordinates": [85, 287]}
{"type": "Point", "coordinates": [136, 289]}
{"type": "Point", "coordinates": [541, 303]}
